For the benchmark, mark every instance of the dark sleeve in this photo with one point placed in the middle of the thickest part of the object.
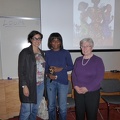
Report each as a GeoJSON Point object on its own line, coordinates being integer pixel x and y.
{"type": "Point", "coordinates": [21, 68]}
{"type": "Point", "coordinates": [46, 64]}
{"type": "Point", "coordinates": [69, 63]}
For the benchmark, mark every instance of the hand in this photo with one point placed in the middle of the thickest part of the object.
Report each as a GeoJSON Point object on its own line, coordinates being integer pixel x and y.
{"type": "Point", "coordinates": [81, 90]}
{"type": "Point", "coordinates": [52, 77]}
{"type": "Point", "coordinates": [56, 69]}
{"type": "Point", "coordinates": [78, 89]}
{"type": "Point", "coordinates": [26, 91]}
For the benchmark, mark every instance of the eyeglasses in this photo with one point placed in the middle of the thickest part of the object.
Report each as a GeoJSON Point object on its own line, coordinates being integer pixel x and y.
{"type": "Point", "coordinates": [34, 38]}
{"type": "Point", "coordinates": [85, 46]}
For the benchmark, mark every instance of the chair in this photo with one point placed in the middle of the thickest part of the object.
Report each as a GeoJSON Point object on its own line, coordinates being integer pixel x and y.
{"type": "Point", "coordinates": [110, 86]}
{"type": "Point", "coordinates": [70, 101]}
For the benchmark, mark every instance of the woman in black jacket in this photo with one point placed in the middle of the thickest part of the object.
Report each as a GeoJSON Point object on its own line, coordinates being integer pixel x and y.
{"type": "Point", "coordinates": [31, 66]}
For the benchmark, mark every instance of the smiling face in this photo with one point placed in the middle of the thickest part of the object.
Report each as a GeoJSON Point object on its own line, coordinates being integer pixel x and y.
{"type": "Point", "coordinates": [86, 48]}
{"type": "Point", "coordinates": [55, 44]}
{"type": "Point", "coordinates": [36, 40]}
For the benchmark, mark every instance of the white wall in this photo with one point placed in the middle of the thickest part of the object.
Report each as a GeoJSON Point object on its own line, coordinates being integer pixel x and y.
{"type": "Point", "coordinates": [111, 59]}
{"type": "Point", "coordinates": [21, 8]}
{"type": "Point", "coordinates": [31, 8]}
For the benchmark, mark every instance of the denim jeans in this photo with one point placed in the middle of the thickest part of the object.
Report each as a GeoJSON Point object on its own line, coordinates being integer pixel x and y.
{"type": "Point", "coordinates": [55, 89]}
{"type": "Point", "coordinates": [29, 110]}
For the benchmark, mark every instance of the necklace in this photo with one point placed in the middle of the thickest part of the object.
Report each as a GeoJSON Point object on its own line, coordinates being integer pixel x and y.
{"type": "Point", "coordinates": [83, 64]}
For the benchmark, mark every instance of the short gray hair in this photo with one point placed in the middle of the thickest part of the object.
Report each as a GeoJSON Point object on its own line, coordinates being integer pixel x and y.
{"type": "Point", "coordinates": [89, 40]}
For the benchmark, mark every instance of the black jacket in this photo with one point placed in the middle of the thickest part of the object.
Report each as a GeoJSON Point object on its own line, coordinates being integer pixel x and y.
{"type": "Point", "coordinates": [27, 74]}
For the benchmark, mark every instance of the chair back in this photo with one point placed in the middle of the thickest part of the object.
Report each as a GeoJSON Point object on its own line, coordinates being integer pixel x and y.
{"type": "Point", "coordinates": [70, 87]}
{"type": "Point", "coordinates": [110, 85]}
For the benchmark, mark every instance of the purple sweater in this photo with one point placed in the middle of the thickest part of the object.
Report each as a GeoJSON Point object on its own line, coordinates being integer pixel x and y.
{"type": "Point", "coordinates": [90, 75]}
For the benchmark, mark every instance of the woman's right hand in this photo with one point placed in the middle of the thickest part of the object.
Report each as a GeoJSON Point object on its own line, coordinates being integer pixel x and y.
{"type": "Point", "coordinates": [52, 77]}
{"type": "Point", "coordinates": [77, 89]}
{"type": "Point", "coordinates": [26, 91]}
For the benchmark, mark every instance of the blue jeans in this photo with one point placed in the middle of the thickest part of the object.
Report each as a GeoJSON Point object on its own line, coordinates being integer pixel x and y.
{"type": "Point", "coordinates": [29, 110]}
{"type": "Point", "coordinates": [60, 90]}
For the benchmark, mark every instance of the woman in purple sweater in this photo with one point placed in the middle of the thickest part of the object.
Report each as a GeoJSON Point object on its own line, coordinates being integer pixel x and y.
{"type": "Point", "coordinates": [87, 74]}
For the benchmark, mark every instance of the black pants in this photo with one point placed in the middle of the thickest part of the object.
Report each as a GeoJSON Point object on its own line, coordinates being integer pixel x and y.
{"type": "Point", "coordinates": [87, 105]}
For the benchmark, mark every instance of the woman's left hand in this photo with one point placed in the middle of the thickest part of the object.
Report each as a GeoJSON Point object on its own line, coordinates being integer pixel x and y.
{"type": "Point", "coordinates": [83, 90]}
{"type": "Point", "coordinates": [56, 69]}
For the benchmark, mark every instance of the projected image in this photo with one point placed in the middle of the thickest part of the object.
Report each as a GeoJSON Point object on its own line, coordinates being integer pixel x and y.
{"type": "Point", "coordinates": [95, 19]}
